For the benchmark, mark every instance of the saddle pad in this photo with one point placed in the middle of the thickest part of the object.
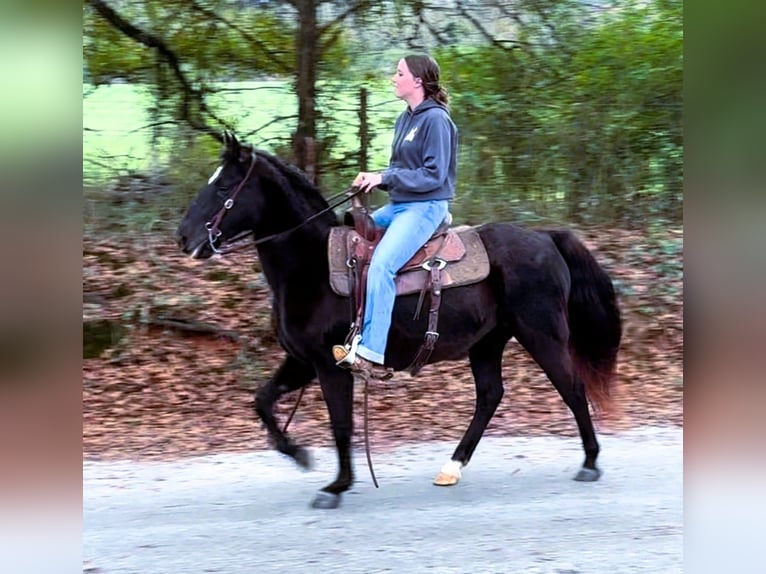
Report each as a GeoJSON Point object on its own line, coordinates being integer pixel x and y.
{"type": "Point", "coordinates": [472, 268]}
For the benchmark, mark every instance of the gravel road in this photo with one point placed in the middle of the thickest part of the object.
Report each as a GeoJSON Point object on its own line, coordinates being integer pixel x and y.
{"type": "Point", "coordinates": [515, 510]}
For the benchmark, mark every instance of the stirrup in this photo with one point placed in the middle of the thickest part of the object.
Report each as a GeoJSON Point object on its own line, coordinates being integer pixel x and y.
{"type": "Point", "coordinates": [346, 353]}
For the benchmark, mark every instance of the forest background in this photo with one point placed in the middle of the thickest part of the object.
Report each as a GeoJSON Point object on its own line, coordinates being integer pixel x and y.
{"type": "Point", "coordinates": [570, 114]}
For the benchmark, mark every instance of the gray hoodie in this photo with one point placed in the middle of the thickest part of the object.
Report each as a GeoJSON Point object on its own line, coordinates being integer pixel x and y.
{"type": "Point", "coordinates": [423, 162]}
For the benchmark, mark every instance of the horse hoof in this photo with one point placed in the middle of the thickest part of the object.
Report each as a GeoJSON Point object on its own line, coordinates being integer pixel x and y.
{"type": "Point", "coordinates": [444, 479]}
{"type": "Point", "coordinates": [303, 458]}
{"type": "Point", "coordinates": [588, 475]}
{"type": "Point", "coordinates": [450, 474]}
{"type": "Point", "coordinates": [326, 500]}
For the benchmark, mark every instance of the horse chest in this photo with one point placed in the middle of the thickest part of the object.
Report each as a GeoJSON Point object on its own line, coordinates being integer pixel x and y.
{"type": "Point", "coordinates": [303, 318]}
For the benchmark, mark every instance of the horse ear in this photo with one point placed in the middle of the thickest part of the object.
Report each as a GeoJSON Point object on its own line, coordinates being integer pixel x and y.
{"type": "Point", "coordinates": [232, 145]}
{"type": "Point", "coordinates": [246, 152]}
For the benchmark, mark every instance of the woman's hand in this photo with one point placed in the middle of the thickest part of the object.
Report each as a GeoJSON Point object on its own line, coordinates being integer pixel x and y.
{"type": "Point", "coordinates": [367, 180]}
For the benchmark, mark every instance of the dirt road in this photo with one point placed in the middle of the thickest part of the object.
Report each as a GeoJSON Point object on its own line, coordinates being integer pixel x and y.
{"type": "Point", "coordinates": [516, 510]}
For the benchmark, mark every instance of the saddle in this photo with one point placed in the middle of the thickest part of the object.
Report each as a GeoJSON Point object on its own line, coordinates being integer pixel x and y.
{"type": "Point", "coordinates": [452, 257]}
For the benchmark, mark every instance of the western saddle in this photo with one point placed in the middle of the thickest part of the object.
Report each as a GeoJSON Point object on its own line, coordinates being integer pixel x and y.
{"type": "Point", "coordinates": [450, 258]}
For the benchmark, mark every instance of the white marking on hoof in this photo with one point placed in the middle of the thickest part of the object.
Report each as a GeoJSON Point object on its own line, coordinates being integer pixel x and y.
{"type": "Point", "coordinates": [450, 474]}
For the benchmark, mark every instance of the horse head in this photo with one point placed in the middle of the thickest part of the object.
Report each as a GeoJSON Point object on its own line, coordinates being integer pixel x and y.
{"type": "Point", "coordinates": [255, 192]}
{"type": "Point", "coordinates": [219, 213]}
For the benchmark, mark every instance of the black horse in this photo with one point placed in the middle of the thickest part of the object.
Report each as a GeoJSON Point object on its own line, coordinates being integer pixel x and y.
{"type": "Point", "coordinates": [544, 288]}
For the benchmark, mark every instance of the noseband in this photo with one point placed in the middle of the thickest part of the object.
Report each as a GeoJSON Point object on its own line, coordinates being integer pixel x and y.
{"type": "Point", "coordinates": [213, 232]}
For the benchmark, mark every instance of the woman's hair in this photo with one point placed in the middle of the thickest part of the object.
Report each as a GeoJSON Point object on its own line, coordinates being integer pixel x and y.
{"type": "Point", "coordinates": [426, 68]}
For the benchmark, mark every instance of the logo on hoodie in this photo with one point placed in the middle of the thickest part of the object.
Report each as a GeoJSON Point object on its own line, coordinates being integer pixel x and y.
{"type": "Point", "coordinates": [411, 136]}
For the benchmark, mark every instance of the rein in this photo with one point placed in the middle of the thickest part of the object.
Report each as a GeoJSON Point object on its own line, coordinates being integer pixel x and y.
{"type": "Point", "coordinates": [213, 231]}
{"type": "Point", "coordinates": [342, 197]}
{"type": "Point", "coordinates": [366, 425]}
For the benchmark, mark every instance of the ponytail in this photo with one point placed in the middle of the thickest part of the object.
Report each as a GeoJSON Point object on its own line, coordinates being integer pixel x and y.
{"type": "Point", "coordinates": [440, 96]}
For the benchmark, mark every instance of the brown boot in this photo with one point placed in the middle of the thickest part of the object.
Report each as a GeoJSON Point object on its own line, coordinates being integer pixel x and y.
{"type": "Point", "coordinates": [359, 365]}
{"type": "Point", "coordinates": [371, 370]}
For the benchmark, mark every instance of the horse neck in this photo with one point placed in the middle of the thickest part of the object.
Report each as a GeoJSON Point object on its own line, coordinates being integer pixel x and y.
{"type": "Point", "coordinates": [297, 261]}
{"type": "Point", "coordinates": [299, 255]}
{"type": "Point", "coordinates": [292, 199]}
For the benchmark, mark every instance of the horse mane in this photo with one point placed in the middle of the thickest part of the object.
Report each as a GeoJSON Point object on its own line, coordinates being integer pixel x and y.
{"type": "Point", "coordinates": [303, 197]}
{"type": "Point", "coordinates": [293, 182]}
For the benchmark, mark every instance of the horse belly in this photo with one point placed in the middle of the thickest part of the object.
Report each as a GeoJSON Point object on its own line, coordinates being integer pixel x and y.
{"type": "Point", "coordinates": [466, 315]}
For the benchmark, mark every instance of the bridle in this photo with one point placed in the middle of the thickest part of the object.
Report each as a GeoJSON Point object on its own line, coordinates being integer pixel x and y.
{"type": "Point", "coordinates": [214, 232]}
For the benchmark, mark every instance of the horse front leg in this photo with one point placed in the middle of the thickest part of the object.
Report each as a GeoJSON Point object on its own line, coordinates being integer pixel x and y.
{"type": "Point", "coordinates": [338, 390]}
{"type": "Point", "coordinates": [291, 375]}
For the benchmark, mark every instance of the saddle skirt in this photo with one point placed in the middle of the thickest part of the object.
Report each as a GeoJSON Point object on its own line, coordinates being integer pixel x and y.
{"type": "Point", "coordinates": [460, 248]}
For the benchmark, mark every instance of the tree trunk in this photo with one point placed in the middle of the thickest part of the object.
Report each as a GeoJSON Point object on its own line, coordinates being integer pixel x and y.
{"type": "Point", "coordinates": [304, 140]}
{"type": "Point", "coordinates": [364, 131]}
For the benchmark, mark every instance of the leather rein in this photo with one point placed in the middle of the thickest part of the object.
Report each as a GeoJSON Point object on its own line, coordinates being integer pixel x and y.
{"type": "Point", "coordinates": [214, 232]}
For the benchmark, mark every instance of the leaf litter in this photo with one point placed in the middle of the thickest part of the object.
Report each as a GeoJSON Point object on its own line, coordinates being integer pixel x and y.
{"type": "Point", "coordinates": [162, 391]}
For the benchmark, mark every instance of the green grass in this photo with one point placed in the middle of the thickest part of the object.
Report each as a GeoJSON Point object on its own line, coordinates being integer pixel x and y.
{"type": "Point", "coordinates": [112, 116]}
{"type": "Point", "coordinates": [117, 144]}
{"type": "Point", "coordinates": [131, 185]}
{"type": "Point", "coordinates": [117, 139]}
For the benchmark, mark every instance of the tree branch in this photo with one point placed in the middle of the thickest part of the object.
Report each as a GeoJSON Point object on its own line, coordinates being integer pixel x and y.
{"type": "Point", "coordinates": [194, 327]}
{"type": "Point", "coordinates": [353, 9]}
{"type": "Point", "coordinates": [149, 40]}
{"type": "Point", "coordinates": [270, 56]}
{"type": "Point", "coordinates": [329, 42]}
{"type": "Point", "coordinates": [436, 34]}
{"type": "Point", "coordinates": [267, 124]}
{"type": "Point", "coordinates": [513, 15]}
{"type": "Point", "coordinates": [484, 32]}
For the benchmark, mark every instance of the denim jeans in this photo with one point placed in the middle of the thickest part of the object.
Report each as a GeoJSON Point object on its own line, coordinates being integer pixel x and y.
{"type": "Point", "coordinates": [408, 226]}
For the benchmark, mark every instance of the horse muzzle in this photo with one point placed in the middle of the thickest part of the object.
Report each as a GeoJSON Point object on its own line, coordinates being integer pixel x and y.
{"type": "Point", "coordinates": [198, 248]}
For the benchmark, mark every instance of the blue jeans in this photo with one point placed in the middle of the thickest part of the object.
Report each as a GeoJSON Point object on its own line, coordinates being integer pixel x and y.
{"type": "Point", "coordinates": [408, 226]}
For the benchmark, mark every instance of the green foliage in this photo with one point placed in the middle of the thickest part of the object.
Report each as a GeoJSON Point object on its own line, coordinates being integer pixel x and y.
{"type": "Point", "coordinates": [153, 198]}
{"type": "Point", "coordinates": [574, 118]}
{"type": "Point", "coordinates": [628, 107]}
{"type": "Point", "coordinates": [588, 118]}
{"type": "Point", "coordinates": [217, 42]}
{"type": "Point", "coordinates": [109, 54]}
{"type": "Point", "coordinates": [97, 336]}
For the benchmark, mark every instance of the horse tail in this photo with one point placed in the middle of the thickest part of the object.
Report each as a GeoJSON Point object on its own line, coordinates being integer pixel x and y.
{"type": "Point", "coordinates": [595, 327]}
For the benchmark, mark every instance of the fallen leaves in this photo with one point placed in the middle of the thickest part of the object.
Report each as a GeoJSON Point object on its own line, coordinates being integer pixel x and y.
{"type": "Point", "coordinates": [160, 391]}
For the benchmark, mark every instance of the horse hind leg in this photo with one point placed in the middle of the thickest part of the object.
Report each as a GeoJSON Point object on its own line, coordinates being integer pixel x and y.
{"type": "Point", "coordinates": [486, 365]}
{"type": "Point", "coordinates": [291, 375]}
{"type": "Point", "coordinates": [549, 348]}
